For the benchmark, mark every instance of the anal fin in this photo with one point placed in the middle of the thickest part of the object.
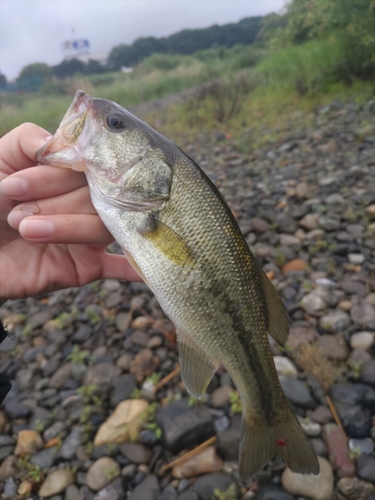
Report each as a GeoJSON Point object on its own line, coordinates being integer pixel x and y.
{"type": "Point", "coordinates": [197, 369]}
{"type": "Point", "coordinates": [278, 322]}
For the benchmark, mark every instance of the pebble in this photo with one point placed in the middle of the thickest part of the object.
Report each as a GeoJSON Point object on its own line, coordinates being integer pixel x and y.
{"type": "Point", "coordinates": [297, 392]}
{"type": "Point", "coordinates": [71, 443]}
{"type": "Point", "coordinates": [220, 396]}
{"type": "Point", "coordinates": [73, 493]}
{"type": "Point", "coordinates": [101, 375]}
{"type": "Point", "coordinates": [8, 467]}
{"type": "Point", "coordinates": [169, 493]}
{"type": "Point", "coordinates": [363, 314]}
{"type": "Point", "coordinates": [147, 489]}
{"type": "Point", "coordinates": [300, 335]}
{"type": "Point", "coordinates": [45, 458]}
{"type": "Point", "coordinates": [310, 428]}
{"type": "Point", "coordinates": [206, 461]}
{"type": "Point", "coordinates": [362, 340]}
{"type": "Point", "coordinates": [355, 489]}
{"type": "Point", "coordinates": [113, 491]}
{"type": "Point", "coordinates": [123, 387]}
{"type": "Point", "coordinates": [335, 321]}
{"type": "Point", "coordinates": [124, 423]}
{"type": "Point", "coordinates": [228, 439]}
{"type": "Point", "coordinates": [363, 445]}
{"type": "Point", "coordinates": [322, 415]}
{"type": "Point", "coordinates": [366, 467]}
{"type": "Point", "coordinates": [338, 451]}
{"type": "Point", "coordinates": [101, 473]}
{"type": "Point", "coordinates": [354, 403]}
{"type": "Point", "coordinates": [272, 492]}
{"type": "Point", "coordinates": [284, 366]}
{"type": "Point", "coordinates": [137, 453]}
{"type": "Point", "coordinates": [318, 487]}
{"type": "Point", "coordinates": [184, 426]}
{"type": "Point", "coordinates": [333, 347]}
{"type": "Point", "coordinates": [28, 442]}
{"type": "Point", "coordinates": [144, 364]}
{"type": "Point", "coordinates": [318, 300]}
{"type": "Point", "coordinates": [295, 265]}
{"type": "Point", "coordinates": [205, 485]}
{"type": "Point", "coordinates": [368, 373]}
{"type": "Point", "coordinates": [56, 482]}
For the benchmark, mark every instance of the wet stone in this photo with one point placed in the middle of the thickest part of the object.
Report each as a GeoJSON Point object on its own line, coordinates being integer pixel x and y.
{"type": "Point", "coordinates": [297, 392]}
{"type": "Point", "coordinates": [206, 484]}
{"type": "Point", "coordinates": [354, 488]}
{"type": "Point", "coordinates": [137, 453]}
{"type": "Point", "coordinates": [113, 491]}
{"type": "Point", "coordinates": [184, 426]}
{"type": "Point", "coordinates": [123, 387]}
{"type": "Point", "coordinates": [148, 488]}
{"type": "Point", "coordinates": [368, 373]}
{"type": "Point", "coordinates": [355, 404]}
{"type": "Point", "coordinates": [45, 458]}
{"type": "Point", "coordinates": [71, 443]}
{"type": "Point", "coordinates": [366, 467]}
{"type": "Point", "coordinates": [272, 492]}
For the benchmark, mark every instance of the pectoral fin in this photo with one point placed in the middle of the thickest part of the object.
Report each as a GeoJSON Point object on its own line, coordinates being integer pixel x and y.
{"type": "Point", "coordinates": [278, 323]}
{"type": "Point", "coordinates": [167, 241]}
{"type": "Point", "coordinates": [197, 369]}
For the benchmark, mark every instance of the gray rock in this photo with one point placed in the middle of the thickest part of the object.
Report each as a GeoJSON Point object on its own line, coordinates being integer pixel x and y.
{"type": "Point", "coordinates": [83, 333]}
{"type": "Point", "coordinates": [272, 492]}
{"type": "Point", "coordinates": [355, 404]}
{"type": "Point", "coordinates": [148, 488]}
{"type": "Point", "coordinates": [205, 485]}
{"type": "Point", "coordinates": [45, 458]}
{"type": "Point", "coordinates": [71, 443]}
{"type": "Point", "coordinates": [228, 440]}
{"type": "Point", "coordinates": [59, 378]}
{"type": "Point", "coordinates": [366, 467]}
{"type": "Point", "coordinates": [318, 446]}
{"type": "Point", "coordinates": [333, 347]}
{"type": "Point", "coordinates": [5, 451]}
{"type": "Point", "coordinates": [123, 387]}
{"type": "Point", "coordinates": [113, 491]}
{"type": "Point", "coordinates": [355, 489]}
{"type": "Point", "coordinates": [318, 300]}
{"type": "Point", "coordinates": [363, 314]}
{"type": "Point", "coordinates": [184, 426]}
{"type": "Point", "coordinates": [335, 321]}
{"type": "Point", "coordinates": [102, 376]}
{"type": "Point", "coordinates": [40, 318]}
{"type": "Point", "coordinates": [364, 445]}
{"type": "Point", "coordinates": [297, 392]}
{"type": "Point", "coordinates": [10, 488]}
{"type": "Point", "coordinates": [57, 429]}
{"type": "Point", "coordinates": [168, 493]}
{"type": "Point", "coordinates": [137, 453]}
{"type": "Point", "coordinates": [101, 473]}
{"type": "Point", "coordinates": [41, 419]}
{"type": "Point", "coordinates": [16, 409]}
{"type": "Point", "coordinates": [368, 373]}
{"type": "Point", "coordinates": [328, 224]}
{"type": "Point", "coordinates": [286, 224]}
{"type": "Point", "coordinates": [188, 495]}
{"type": "Point", "coordinates": [73, 493]}
{"type": "Point", "coordinates": [362, 340]}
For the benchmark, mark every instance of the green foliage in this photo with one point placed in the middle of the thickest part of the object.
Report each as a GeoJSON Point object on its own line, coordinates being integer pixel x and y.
{"type": "Point", "coordinates": [153, 426]}
{"type": "Point", "coordinates": [154, 378]}
{"type": "Point", "coordinates": [235, 402]}
{"type": "Point", "coordinates": [32, 472]}
{"type": "Point", "coordinates": [185, 42]}
{"type": "Point", "coordinates": [340, 32]}
{"type": "Point", "coordinates": [229, 494]}
{"type": "Point", "coordinates": [36, 69]}
{"type": "Point", "coordinates": [88, 392]}
{"type": "Point", "coordinates": [78, 355]}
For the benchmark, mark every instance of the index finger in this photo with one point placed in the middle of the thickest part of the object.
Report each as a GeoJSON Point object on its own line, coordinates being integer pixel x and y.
{"type": "Point", "coordinates": [18, 148]}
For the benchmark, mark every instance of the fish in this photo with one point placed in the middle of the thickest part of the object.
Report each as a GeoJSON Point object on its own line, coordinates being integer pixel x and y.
{"type": "Point", "coordinates": [181, 237]}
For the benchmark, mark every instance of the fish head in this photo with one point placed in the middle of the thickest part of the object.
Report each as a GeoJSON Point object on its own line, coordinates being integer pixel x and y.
{"type": "Point", "coordinates": [102, 139]}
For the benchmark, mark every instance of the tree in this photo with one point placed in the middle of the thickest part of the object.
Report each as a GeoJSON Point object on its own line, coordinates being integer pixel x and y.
{"type": "Point", "coordinates": [3, 80]}
{"type": "Point", "coordinates": [40, 70]}
{"type": "Point", "coordinates": [68, 68]}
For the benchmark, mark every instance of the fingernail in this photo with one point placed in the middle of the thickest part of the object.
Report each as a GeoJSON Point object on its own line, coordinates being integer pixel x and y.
{"type": "Point", "coordinates": [14, 187]}
{"type": "Point", "coordinates": [36, 228]}
{"type": "Point", "coordinates": [21, 212]}
{"type": "Point", "coordinates": [43, 140]}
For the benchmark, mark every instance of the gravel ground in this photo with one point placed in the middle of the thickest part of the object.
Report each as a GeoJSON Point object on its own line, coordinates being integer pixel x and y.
{"type": "Point", "coordinates": [86, 418]}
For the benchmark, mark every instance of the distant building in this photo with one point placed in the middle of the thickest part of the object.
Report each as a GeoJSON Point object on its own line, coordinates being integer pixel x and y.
{"type": "Point", "coordinates": [80, 49]}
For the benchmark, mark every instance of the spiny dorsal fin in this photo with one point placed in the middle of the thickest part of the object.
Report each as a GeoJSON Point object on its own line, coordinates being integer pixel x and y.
{"type": "Point", "coordinates": [197, 369]}
{"type": "Point", "coordinates": [278, 322]}
{"type": "Point", "coordinates": [167, 241]}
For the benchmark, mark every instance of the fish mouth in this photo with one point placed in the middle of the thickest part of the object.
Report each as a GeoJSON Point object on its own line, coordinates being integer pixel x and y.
{"type": "Point", "coordinates": [65, 148]}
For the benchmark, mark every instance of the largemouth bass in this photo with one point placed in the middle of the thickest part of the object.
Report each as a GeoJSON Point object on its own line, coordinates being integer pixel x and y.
{"type": "Point", "coordinates": [181, 237]}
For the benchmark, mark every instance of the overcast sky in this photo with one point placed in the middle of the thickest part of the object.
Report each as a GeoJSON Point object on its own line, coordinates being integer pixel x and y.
{"type": "Point", "coordinates": [33, 30]}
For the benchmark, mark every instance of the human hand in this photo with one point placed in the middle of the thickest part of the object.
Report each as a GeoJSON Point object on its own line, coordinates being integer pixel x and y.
{"type": "Point", "coordinates": [50, 234]}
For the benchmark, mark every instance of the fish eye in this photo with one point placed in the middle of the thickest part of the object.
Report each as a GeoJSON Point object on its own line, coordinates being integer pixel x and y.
{"type": "Point", "coordinates": [116, 122]}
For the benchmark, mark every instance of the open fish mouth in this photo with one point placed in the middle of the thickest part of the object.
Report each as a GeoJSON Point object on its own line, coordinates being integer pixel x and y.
{"type": "Point", "coordinates": [66, 146]}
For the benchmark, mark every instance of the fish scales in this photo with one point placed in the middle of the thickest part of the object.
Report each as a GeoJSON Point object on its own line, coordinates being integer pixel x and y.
{"type": "Point", "coordinates": [179, 234]}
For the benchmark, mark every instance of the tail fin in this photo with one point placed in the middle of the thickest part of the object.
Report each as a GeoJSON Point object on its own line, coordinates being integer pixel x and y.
{"type": "Point", "coordinates": [260, 442]}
